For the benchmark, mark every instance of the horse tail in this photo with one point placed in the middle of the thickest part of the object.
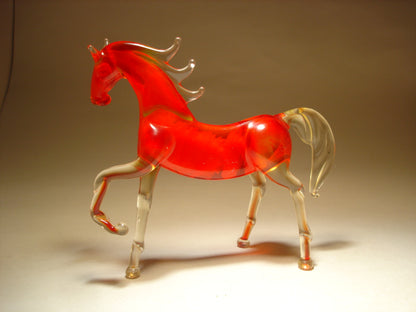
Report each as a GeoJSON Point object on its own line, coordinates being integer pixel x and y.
{"type": "Point", "coordinates": [314, 130]}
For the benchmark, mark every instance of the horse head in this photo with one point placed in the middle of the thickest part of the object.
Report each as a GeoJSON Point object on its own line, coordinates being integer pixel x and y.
{"type": "Point", "coordinates": [104, 76]}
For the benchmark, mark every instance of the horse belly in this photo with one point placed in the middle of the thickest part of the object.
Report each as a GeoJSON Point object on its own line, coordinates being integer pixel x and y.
{"type": "Point", "coordinates": [211, 156]}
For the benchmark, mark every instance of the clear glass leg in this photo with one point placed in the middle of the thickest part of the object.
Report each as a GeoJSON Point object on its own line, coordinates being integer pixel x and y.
{"type": "Point", "coordinates": [144, 202]}
{"type": "Point", "coordinates": [133, 270]}
{"type": "Point", "coordinates": [259, 181]}
{"type": "Point", "coordinates": [305, 236]}
{"type": "Point", "coordinates": [283, 176]}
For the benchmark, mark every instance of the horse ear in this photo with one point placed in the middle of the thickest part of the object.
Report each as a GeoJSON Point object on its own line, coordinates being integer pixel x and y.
{"type": "Point", "coordinates": [94, 52]}
{"type": "Point", "coordinates": [106, 42]}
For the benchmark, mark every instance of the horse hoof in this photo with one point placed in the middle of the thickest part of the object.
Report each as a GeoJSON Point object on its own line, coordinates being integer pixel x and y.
{"type": "Point", "coordinates": [122, 229]}
{"type": "Point", "coordinates": [243, 243]}
{"type": "Point", "coordinates": [132, 273]}
{"type": "Point", "coordinates": [305, 265]}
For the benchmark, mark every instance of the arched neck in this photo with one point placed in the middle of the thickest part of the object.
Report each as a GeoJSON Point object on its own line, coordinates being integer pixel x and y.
{"type": "Point", "coordinates": [152, 86]}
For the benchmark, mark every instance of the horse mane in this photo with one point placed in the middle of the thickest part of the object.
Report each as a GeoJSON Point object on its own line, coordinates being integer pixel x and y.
{"type": "Point", "coordinates": [161, 58]}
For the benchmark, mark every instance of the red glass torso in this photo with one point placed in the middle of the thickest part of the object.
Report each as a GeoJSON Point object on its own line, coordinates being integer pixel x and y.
{"type": "Point", "coordinates": [206, 151]}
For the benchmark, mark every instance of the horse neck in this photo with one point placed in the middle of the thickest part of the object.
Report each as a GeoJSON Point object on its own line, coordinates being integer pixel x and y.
{"type": "Point", "coordinates": [153, 88]}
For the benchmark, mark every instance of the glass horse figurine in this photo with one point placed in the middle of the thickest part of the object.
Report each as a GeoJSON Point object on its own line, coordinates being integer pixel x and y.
{"type": "Point", "coordinates": [170, 137]}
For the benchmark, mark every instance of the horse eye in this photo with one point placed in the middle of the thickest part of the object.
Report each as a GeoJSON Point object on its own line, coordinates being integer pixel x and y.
{"type": "Point", "coordinates": [104, 71]}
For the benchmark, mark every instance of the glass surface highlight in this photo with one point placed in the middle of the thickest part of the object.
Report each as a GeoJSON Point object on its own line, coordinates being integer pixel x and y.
{"type": "Point", "coordinates": [170, 137]}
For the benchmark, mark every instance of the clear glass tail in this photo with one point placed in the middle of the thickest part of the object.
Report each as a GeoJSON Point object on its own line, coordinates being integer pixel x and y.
{"type": "Point", "coordinates": [314, 130]}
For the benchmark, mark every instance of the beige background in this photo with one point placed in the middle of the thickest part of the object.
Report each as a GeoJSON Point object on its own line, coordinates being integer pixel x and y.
{"type": "Point", "coordinates": [354, 61]}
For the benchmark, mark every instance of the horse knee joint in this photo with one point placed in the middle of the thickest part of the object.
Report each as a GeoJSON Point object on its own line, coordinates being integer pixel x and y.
{"type": "Point", "coordinates": [307, 234]}
{"type": "Point", "coordinates": [99, 180]}
{"type": "Point", "coordinates": [262, 188]}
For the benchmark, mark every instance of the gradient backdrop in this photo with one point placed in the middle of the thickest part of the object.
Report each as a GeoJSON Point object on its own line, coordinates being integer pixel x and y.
{"type": "Point", "coordinates": [354, 61]}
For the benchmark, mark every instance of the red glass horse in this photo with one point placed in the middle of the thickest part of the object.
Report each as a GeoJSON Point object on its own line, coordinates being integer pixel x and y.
{"type": "Point", "coordinates": [171, 137]}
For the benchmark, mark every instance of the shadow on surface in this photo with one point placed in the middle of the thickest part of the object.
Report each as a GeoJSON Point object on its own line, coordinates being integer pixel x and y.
{"type": "Point", "coordinates": [155, 268]}
{"type": "Point", "coordinates": [113, 282]}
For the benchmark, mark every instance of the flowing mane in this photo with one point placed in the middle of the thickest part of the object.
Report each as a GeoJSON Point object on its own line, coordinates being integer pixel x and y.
{"type": "Point", "coordinates": [161, 58]}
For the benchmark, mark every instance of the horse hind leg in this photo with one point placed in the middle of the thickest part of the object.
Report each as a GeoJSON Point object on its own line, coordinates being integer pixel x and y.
{"type": "Point", "coordinates": [259, 181]}
{"type": "Point", "coordinates": [284, 177]}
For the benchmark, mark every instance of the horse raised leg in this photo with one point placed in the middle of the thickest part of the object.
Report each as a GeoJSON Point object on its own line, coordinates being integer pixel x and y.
{"type": "Point", "coordinates": [284, 177]}
{"type": "Point", "coordinates": [133, 169]}
{"type": "Point", "coordinates": [144, 201]}
{"type": "Point", "coordinates": [259, 182]}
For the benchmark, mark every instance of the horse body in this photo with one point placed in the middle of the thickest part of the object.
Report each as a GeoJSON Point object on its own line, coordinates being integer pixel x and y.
{"type": "Point", "coordinates": [171, 137]}
{"type": "Point", "coordinates": [205, 151]}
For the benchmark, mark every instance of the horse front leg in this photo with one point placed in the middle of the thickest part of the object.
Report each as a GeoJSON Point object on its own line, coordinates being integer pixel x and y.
{"type": "Point", "coordinates": [259, 181]}
{"type": "Point", "coordinates": [144, 202]}
{"type": "Point", "coordinates": [132, 169]}
{"type": "Point", "coordinates": [284, 177]}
